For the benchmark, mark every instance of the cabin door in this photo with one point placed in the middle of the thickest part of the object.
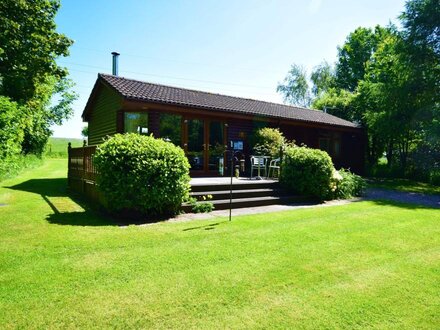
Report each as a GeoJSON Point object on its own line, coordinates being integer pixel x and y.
{"type": "Point", "coordinates": [205, 146]}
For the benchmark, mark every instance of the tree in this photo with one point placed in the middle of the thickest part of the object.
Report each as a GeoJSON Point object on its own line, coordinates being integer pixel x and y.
{"type": "Point", "coordinates": [338, 102]}
{"type": "Point", "coordinates": [421, 33]}
{"type": "Point", "coordinates": [29, 74]}
{"type": "Point", "coordinates": [85, 132]}
{"type": "Point", "coordinates": [29, 46]}
{"type": "Point", "coordinates": [295, 88]}
{"type": "Point", "coordinates": [421, 24]}
{"type": "Point", "coordinates": [354, 55]}
{"type": "Point", "coordinates": [323, 78]}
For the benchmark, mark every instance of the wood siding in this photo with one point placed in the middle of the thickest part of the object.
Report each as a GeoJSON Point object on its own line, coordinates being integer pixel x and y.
{"type": "Point", "coordinates": [103, 118]}
{"type": "Point", "coordinates": [108, 111]}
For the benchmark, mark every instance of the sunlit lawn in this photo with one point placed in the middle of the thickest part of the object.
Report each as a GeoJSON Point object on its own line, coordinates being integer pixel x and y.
{"type": "Point", "coordinates": [366, 264]}
{"type": "Point", "coordinates": [57, 147]}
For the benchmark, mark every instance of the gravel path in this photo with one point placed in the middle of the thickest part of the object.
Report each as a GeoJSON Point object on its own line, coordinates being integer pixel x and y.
{"type": "Point", "coordinates": [403, 197]}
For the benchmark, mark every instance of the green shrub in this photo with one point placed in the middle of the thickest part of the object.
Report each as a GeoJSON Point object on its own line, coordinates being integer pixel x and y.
{"type": "Point", "coordinates": [142, 175]}
{"type": "Point", "coordinates": [203, 206]}
{"type": "Point", "coordinates": [307, 172]}
{"type": "Point", "coordinates": [15, 164]}
{"type": "Point", "coordinates": [268, 141]}
{"type": "Point", "coordinates": [11, 130]}
{"type": "Point", "coordinates": [348, 185]}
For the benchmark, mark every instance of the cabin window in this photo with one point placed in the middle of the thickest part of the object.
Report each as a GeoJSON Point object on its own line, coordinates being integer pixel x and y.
{"type": "Point", "coordinates": [136, 122]}
{"type": "Point", "coordinates": [170, 128]}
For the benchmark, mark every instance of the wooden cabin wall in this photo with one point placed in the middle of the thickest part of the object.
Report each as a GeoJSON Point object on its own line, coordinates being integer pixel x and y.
{"type": "Point", "coordinates": [103, 118]}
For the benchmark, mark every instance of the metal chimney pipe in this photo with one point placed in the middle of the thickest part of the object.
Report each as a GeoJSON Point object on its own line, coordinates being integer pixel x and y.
{"type": "Point", "coordinates": [115, 63]}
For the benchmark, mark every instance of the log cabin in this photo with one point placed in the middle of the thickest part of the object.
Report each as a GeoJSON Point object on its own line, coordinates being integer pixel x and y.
{"type": "Point", "coordinates": [204, 123]}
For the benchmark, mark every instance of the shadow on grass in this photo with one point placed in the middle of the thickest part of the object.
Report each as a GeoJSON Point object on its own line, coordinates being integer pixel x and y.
{"type": "Point", "coordinates": [53, 189]}
{"type": "Point", "coordinates": [210, 226]}
{"type": "Point", "coordinates": [400, 204]}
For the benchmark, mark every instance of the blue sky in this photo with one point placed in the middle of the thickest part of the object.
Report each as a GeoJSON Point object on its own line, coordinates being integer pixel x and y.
{"type": "Point", "coordinates": [241, 48]}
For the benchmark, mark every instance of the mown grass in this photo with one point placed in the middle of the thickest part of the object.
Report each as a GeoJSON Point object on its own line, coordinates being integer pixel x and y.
{"type": "Point", "coordinates": [363, 265]}
{"type": "Point", "coordinates": [405, 185]}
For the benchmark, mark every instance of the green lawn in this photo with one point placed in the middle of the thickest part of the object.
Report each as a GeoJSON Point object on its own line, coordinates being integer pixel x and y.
{"type": "Point", "coordinates": [405, 185]}
{"type": "Point", "coordinates": [57, 147]}
{"type": "Point", "coordinates": [363, 265]}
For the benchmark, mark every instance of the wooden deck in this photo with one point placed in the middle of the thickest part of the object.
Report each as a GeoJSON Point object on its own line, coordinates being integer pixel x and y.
{"type": "Point", "coordinates": [246, 192]}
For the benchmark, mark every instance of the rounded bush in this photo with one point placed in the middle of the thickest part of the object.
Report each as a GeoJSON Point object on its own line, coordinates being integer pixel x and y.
{"type": "Point", "coordinates": [348, 185]}
{"type": "Point", "coordinates": [268, 141]}
{"type": "Point", "coordinates": [141, 174]}
{"type": "Point", "coordinates": [307, 172]}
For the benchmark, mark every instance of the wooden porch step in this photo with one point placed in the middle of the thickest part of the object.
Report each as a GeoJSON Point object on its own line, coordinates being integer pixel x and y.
{"type": "Point", "coordinates": [235, 186]}
{"type": "Point", "coordinates": [242, 193]}
{"type": "Point", "coordinates": [224, 204]}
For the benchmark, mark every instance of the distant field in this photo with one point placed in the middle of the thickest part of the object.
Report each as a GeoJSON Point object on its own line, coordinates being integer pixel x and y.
{"type": "Point", "coordinates": [57, 147]}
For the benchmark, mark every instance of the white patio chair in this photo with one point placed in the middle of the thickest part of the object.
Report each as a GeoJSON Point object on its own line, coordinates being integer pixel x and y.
{"type": "Point", "coordinates": [274, 165]}
{"type": "Point", "coordinates": [258, 163]}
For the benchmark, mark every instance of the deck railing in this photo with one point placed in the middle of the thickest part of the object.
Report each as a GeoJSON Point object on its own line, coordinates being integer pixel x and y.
{"type": "Point", "coordinates": [81, 171]}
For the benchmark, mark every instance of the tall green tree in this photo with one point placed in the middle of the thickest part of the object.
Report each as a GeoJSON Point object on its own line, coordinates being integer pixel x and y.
{"type": "Point", "coordinates": [389, 101]}
{"type": "Point", "coordinates": [387, 79]}
{"type": "Point", "coordinates": [354, 55]}
{"type": "Point", "coordinates": [323, 78]}
{"type": "Point", "coordinates": [421, 32]}
{"type": "Point", "coordinates": [295, 87]}
{"type": "Point", "coordinates": [29, 73]}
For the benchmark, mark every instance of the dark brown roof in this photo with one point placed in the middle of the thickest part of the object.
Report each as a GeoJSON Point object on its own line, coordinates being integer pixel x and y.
{"type": "Point", "coordinates": [148, 92]}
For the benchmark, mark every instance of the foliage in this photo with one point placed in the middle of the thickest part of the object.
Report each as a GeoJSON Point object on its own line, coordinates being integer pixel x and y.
{"type": "Point", "coordinates": [13, 165]}
{"type": "Point", "coordinates": [421, 24]}
{"type": "Point", "coordinates": [142, 174]}
{"type": "Point", "coordinates": [386, 80]}
{"type": "Point", "coordinates": [85, 131]}
{"type": "Point", "coordinates": [29, 74]}
{"type": "Point", "coordinates": [354, 55]}
{"type": "Point", "coordinates": [268, 141]}
{"type": "Point", "coordinates": [29, 46]}
{"type": "Point", "coordinates": [11, 130]}
{"type": "Point", "coordinates": [323, 78]}
{"type": "Point", "coordinates": [40, 113]}
{"type": "Point", "coordinates": [307, 171]}
{"type": "Point", "coordinates": [202, 206]}
{"type": "Point", "coordinates": [295, 88]}
{"type": "Point", "coordinates": [338, 102]}
{"type": "Point", "coordinates": [348, 185]}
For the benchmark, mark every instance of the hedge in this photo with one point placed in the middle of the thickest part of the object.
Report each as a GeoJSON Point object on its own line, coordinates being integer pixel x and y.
{"type": "Point", "coordinates": [141, 174]}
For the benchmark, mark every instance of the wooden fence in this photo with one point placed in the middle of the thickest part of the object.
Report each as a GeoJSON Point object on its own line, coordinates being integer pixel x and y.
{"type": "Point", "coordinates": [81, 172]}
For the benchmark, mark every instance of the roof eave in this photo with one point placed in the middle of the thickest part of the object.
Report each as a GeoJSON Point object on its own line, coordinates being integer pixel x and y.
{"type": "Point", "coordinates": [138, 99]}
